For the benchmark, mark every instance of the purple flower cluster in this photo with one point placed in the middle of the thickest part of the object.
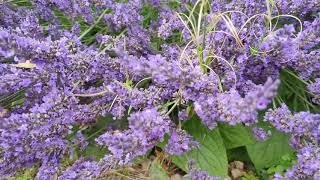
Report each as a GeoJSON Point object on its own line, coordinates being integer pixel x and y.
{"type": "Point", "coordinates": [180, 142]}
{"type": "Point", "coordinates": [27, 138]}
{"type": "Point", "coordinates": [89, 169]}
{"type": "Point", "coordinates": [82, 169]}
{"type": "Point", "coordinates": [295, 51]}
{"type": "Point", "coordinates": [146, 129]}
{"type": "Point", "coordinates": [73, 62]}
{"type": "Point", "coordinates": [304, 128]}
{"type": "Point", "coordinates": [260, 134]}
{"type": "Point", "coordinates": [230, 107]}
{"type": "Point", "coordinates": [302, 8]}
{"type": "Point", "coordinates": [195, 173]}
{"type": "Point", "coordinates": [168, 23]}
{"type": "Point", "coordinates": [315, 90]}
{"type": "Point", "coordinates": [299, 124]}
{"type": "Point", "coordinates": [309, 161]}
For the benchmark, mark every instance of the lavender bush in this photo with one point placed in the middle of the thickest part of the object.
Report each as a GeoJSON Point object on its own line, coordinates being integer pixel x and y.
{"type": "Point", "coordinates": [90, 85]}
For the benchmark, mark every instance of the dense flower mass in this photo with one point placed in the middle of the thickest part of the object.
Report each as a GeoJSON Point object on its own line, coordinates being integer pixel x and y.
{"type": "Point", "coordinates": [315, 89]}
{"type": "Point", "coordinates": [141, 70]}
{"type": "Point", "coordinates": [195, 173]}
{"type": "Point", "coordinates": [232, 108]}
{"type": "Point", "coordinates": [304, 127]}
{"type": "Point", "coordinates": [180, 142]}
{"type": "Point", "coordinates": [260, 134]}
{"type": "Point", "coordinates": [146, 129]}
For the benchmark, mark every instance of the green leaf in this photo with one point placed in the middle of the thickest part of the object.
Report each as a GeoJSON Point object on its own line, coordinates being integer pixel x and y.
{"type": "Point", "coordinates": [8, 101]}
{"type": "Point", "coordinates": [26, 174]}
{"type": "Point", "coordinates": [286, 162]}
{"type": "Point", "coordinates": [149, 13]}
{"type": "Point", "coordinates": [164, 142]}
{"type": "Point", "coordinates": [156, 171]}
{"type": "Point", "coordinates": [268, 153]}
{"type": "Point", "coordinates": [173, 4]}
{"type": "Point", "coordinates": [253, 51]}
{"type": "Point", "coordinates": [210, 156]}
{"type": "Point", "coordinates": [235, 136]}
{"type": "Point", "coordinates": [95, 151]}
{"type": "Point", "coordinates": [238, 154]}
{"type": "Point", "coordinates": [18, 102]}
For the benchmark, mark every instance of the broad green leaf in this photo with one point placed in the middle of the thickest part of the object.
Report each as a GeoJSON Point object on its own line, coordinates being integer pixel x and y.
{"type": "Point", "coordinates": [210, 156]}
{"type": "Point", "coordinates": [268, 153]}
{"type": "Point", "coordinates": [235, 136]}
{"type": "Point", "coordinates": [156, 172]}
{"type": "Point", "coordinates": [286, 162]}
{"type": "Point", "coordinates": [238, 154]}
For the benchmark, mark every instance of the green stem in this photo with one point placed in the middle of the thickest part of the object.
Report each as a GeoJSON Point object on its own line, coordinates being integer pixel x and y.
{"type": "Point", "coordinates": [292, 74]}
{"type": "Point", "coordinates": [307, 102]}
{"type": "Point", "coordinates": [279, 100]}
{"type": "Point", "coordinates": [95, 133]}
{"type": "Point", "coordinates": [274, 104]}
{"type": "Point", "coordinates": [93, 25]}
{"type": "Point", "coordinates": [172, 108]}
{"type": "Point", "coordinates": [12, 96]}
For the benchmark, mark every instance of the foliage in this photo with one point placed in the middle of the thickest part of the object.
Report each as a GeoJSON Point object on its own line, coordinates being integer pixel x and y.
{"type": "Point", "coordinates": [88, 86]}
{"type": "Point", "coordinates": [211, 154]}
{"type": "Point", "coordinates": [156, 171]}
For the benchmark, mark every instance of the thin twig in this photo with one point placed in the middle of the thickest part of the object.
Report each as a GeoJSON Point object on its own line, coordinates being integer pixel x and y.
{"type": "Point", "coordinates": [93, 94]}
